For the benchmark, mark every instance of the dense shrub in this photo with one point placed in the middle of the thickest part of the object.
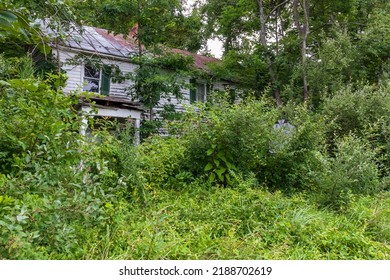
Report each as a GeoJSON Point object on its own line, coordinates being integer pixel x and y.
{"type": "Point", "coordinates": [225, 138]}
{"type": "Point", "coordinates": [38, 124]}
{"type": "Point", "coordinates": [229, 137]}
{"type": "Point", "coordinates": [364, 112]}
{"type": "Point", "coordinates": [162, 162]}
{"type": "Point", "coordinates": [352, 170]}
{"type": "Point", "coordinates": [295, 154]}
{"type": "Point", "coordinates": [57, 188]}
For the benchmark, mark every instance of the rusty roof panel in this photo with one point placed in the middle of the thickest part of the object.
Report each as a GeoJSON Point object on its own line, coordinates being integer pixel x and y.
{"type": "Point", "coordinates": [99, 40]}
{"type": "Point", "coordinates": [200, 61]}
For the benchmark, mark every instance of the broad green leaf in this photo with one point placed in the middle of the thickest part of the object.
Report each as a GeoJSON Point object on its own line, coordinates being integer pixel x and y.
{"type": "Point", "coordinates": [208, 167]}
{"type": "Point", "coordinates": [44, 48]}
{"type": "Point", "coordinates": [221, 177]}
{"type": "Point", "coordinates": [7, 16]}
{"type": "Point", "coordinates": [220, 172]}
{"type": "Point", "coordinates": [212, 177]}
{"type": "Point", "coordinates": [32, 86]}
{"type": "Point", "coordinates": [210, 152]}
{"type": "Point", "coordinates": [230, 165]}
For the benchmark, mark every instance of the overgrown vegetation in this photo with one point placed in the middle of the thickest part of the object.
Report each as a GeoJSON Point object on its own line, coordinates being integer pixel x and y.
{"type": "Point", "coordinates": [233, 180]}
{"type": "Point", "coordinates": [229, 184]}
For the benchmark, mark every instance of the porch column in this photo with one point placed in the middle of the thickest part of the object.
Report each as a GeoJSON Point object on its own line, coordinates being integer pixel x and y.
{"type": "Point", "coordinates": [137, 133]}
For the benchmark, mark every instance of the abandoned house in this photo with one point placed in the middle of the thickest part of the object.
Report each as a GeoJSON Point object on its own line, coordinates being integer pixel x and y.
{"type": "Point", "coordinates": [111, 98]}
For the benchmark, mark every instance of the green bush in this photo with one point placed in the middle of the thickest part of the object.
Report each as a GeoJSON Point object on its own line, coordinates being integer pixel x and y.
{"type": "Point", "coordinates": [295, 154]}
{"type": "Point", "coordinates": [364, 112]}
{"type": "Point", "coordinates": [56, 187]}
{"type": "Point", "coordinates": [38, 124]}
{"type": "Point", "coordinates": [227, 137]}
{"type": "Point", "coordinates": [352, 170]}
{"type": "Point", "coordinates": [224, 138]}
{"type": "Point", "coordinates": [162, 162]}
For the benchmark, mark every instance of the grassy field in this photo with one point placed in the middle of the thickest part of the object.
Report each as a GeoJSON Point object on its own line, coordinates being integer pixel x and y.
{"type": "Point", "coordinates": [248, 223]}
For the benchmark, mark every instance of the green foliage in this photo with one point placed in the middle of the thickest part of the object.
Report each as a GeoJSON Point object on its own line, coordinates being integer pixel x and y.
{"type": "Point", "coordinates": [241, 137]}
{"type": "Point", "coordinates": [334, 67]}
{"type": "Point", "coordinates": [221, 138]}
{"type": "Point", "coordinates": [223, 223]}
{"type": "Point", "coordinates": [235, 63]}
{"type": "Point", "coordinates": [56, 187]}
{"type": "Point", "coordinates": [12, 23]}
{"type": "Point", "coordinates": [231, 20]}
{"type": "Point", "coordinates": [149, 128]}
{"type": "Point", "coordinates": [352, 170]}
{"type": "Point", "coordinates": [159, 22]}
{"type": "Point", "coordinates": [364, 112]}
{"type": "Point", "coordinates": [34, 117]}
{"type": "Point", "coordinates": [373, 49]}
{"type": "Point", "coordinates": [60, 15]}
{"type": "Point", "coordinates": [15, 26]}
{"type": "Point", "coordinates": [353, 110]}
{"type": "Point", "coordinates": [47, 209]}
{"type": "Point", "coordinates": [154, 79]}
{"type": "Point", "coordinates": [295, 153]}
{"type": "Point", "coordinates": [346, 44]}
{"type": "Point", "coordinates": [162, 160]}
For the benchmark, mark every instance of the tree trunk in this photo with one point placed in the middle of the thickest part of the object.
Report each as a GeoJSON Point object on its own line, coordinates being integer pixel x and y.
{"type": "Point", "coordinates": [277, 31]}
{"type": "Point", "coordinates": [303, 32]}
{"type": "Point", "coordinates": [263, 41]}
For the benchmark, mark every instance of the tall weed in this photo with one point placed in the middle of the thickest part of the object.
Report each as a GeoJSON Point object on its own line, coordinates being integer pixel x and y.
{"type": "Point", "coordinates": [352, 170]}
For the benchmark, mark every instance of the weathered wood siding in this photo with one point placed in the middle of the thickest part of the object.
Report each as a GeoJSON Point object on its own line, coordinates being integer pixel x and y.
{"type": "Point", "coordinates": [75, 80]}
{"type": "Point", "coordinates": [76, 74]}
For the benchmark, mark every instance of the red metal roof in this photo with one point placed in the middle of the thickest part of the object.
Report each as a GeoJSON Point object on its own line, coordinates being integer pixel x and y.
{"type": "Point", "coordinates": [200, 61]}
{"type": "Point", "coordinates": [102, 41]}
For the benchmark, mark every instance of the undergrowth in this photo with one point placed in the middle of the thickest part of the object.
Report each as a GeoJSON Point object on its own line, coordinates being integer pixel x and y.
{"type": "Point", "coordinates": [250, 223]}
{"type": "Point", "coordinates": [231, 182]}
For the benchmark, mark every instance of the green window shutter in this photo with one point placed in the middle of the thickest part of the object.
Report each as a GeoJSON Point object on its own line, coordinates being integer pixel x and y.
{"type": "Point", "coordinates": [105, 85]}
{"type": "Point", "coordinates": [192, 90]}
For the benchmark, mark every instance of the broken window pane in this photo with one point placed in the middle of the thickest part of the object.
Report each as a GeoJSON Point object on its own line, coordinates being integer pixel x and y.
{"type": "Point", "coordinates": [91, 85]}
{"type": "Point", "coordinates": [91, 72]}
{"type": "Point", "coordinates": [200, 92]}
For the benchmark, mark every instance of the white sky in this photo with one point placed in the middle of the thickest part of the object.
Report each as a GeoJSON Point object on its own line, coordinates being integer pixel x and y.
{"type": "Point", "coordinates": [214, 45]}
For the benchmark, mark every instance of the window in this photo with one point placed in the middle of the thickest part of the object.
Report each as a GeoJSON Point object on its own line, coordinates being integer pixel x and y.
{"type": "Point", "coordinates": [97, 80]}
{"type": "Point", "coordinates": [198, 91]}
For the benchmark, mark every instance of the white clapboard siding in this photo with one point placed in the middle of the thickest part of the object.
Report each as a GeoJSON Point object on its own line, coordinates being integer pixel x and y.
{"type": "Point", "coordinates": [75, 80]}
{"type": "Point", "coordinates": [179, 103]}
{"type": "Point", "coordinates": [222, 85]}
{"type": "Point", "coordinates": [75, 74]}
{"type": "Point", "coordinates": [120, 89]}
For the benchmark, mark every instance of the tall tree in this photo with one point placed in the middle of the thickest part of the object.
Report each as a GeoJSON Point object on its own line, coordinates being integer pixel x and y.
{"type": "Point", "coordinates": [302, 26]}
{"type": "Point", "coordinates": [159, 21]}
{"type": "Point", "coordinates": [252, 27]}
{"type": "Point", "coordinates": [263, 18]}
